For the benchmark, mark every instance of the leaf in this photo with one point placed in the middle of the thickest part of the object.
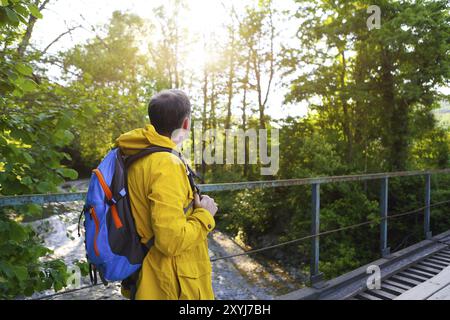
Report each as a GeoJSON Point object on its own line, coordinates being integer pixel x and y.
{"type": "Point", "coordinates": [28, 157]}
{"type": "Point", "coordinates": [17, 232]}
{"type": "Point", "coordinates": [21, 273]}
{"type": "Point", "coordinates": [68, 173]}
{"type": "Point", "coordinates": [6, 269]}
{"type": "Point", "coordinates": [27, 181]}
{"type": "Point", "coordinates": [34, 210]}
{"type": "Point", "coordinates": [24, 69]}
{"type": "Point", "coordinates": [84, 267]}
{"type": "Point", "coordinates": [12, 16]}
{"type": "Point", "coordinates": [28, 85]}
{"type": "Point", "coordinates": [57, 286]}
{"type": "Point", "coordinates": [67, 156]}
{"type": "Point", "coordinates": [44, 187]}
{"type": "Point", "coordinates": [21, 11]}
{"type": "Point", "coordinates": [35, 11]}
{"type": "Point", "coordinates": [29, 291]}
{"type": "Point", "coordinates": [63, 137]}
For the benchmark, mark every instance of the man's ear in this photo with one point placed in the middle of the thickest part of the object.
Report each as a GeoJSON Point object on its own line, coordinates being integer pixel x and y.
{"type": "Point", "coordinates": [186, 124]}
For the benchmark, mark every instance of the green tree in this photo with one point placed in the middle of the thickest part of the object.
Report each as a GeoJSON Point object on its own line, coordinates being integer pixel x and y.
{"type": "Point", "coordinates": [109, 81]}
{"type": "Point", "coordinates": [31, 137]}
{"type": "Point", "coordinates": [374, 90]}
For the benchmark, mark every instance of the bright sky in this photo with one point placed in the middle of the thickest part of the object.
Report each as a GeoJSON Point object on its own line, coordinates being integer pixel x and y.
{"type": "Point", "coordinates": [203, 16]}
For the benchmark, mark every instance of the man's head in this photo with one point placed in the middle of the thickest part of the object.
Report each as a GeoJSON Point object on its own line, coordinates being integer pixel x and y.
{"type": "Point", "coordinates": [169, 110]}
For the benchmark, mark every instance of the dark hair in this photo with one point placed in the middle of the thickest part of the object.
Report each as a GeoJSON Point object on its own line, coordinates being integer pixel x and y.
{"type": "Point", "coordinates": [167, 110]}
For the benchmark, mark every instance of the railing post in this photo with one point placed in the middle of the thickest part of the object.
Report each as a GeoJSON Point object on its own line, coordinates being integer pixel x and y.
{"type": "Point", "coordinates": [385, 250]}
{"type": "Point", "coordinates": [426, 222]}
{"type": "Point", "coordinates": [315, 275]}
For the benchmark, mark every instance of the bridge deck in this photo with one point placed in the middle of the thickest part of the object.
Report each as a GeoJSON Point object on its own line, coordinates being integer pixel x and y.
{"type": "Point", "coordinates": [435, 288]}
{"type": "Point", "coordinates": [419, 272]}
{"type": "Point", "coordinates": [425, 279]}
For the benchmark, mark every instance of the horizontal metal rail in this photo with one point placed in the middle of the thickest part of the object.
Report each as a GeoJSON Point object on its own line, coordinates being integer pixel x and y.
{"type": "Point", "coordinates": [75, 196]}
{"type": "Point", "coordinates": [318, 180]}
{"type": "Point", "coordinates": [315, 274]}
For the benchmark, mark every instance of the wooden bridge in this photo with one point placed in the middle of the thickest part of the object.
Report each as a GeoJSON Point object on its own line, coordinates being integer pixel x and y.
{"type": "Point", "coordinates": [421, 271]}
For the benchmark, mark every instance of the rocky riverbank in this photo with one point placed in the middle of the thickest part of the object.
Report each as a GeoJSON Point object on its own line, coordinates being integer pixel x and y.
{"type": "Point", "coordinates": [237, 278]}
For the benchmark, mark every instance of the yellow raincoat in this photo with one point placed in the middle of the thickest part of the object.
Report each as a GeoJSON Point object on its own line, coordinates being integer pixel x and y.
{"type": "Point", "coordinates": [177, 266]}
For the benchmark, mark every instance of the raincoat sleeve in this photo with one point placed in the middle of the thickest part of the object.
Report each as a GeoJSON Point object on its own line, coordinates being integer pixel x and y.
{"type": "Point", "coordinates": [174, 231]}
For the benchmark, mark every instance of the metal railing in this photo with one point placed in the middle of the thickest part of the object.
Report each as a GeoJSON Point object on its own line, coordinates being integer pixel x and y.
{"type": "Point", "coordinates": [315, 274]}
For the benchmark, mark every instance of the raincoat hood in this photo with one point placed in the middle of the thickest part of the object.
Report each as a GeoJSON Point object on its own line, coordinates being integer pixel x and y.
{"type": "Point", "coordinates": [141, 138]}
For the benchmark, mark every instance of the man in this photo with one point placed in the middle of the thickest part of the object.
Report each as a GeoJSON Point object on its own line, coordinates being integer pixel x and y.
{"type": "Point", "coordinates": [177, 266]}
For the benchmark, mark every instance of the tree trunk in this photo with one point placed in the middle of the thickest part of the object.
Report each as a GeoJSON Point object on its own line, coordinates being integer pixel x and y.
{"type": "Point", "coordinates": [257, 71]}
{"type": "Point", "coordinates": [346, 123]}
{"type": "Point", "coordinates": [230, 81]}
{"type": "Point", "coordinates": [204, 120]}
{"type": "Point", "coordinates": [244, 115]}
{"type": "Point", "coordinates": [395, 117]}
{"type": "Point", "coordinates": [23, 45]}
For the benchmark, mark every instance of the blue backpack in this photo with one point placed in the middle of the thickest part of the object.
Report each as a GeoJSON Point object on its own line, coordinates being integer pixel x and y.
{"type": "Point", "coordinates": [114, 248]}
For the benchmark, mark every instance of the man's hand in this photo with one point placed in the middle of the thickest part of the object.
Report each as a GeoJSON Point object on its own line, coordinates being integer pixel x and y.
{"type": "Point", "coordinates": [205, 202]}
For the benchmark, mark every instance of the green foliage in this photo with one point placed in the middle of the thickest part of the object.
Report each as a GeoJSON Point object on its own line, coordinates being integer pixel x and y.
{"type": "Point", "coordinates": [371, 96]}
{"type": "Point", "coordinates": [84, 267]}
{"type": "Point", "coordinates": [344, 259]}
{"type": "Point", "coordinates": [111, 87]}
{"type": "Point", "coordinates": [30, 145]}
{"type": "Point", "coordinates": [32, 134]}
{"type": "Point", "coordinates": [251, 212]}
{"type": "Point", "coordinates": [305, 151]}
{"type": "Point", "coordinates": [343, 205]}
{"type": "Point", "coordinates": [14, 74]}
{"type": "Point", "coordinates": [22, 272]}
{"type": "Point", "coordinates": [373, 90]}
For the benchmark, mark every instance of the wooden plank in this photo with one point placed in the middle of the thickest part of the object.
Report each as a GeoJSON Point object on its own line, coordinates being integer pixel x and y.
{"type": "Point", "coordinates": [396, 289]}
{"type": "Point", "coordinates": [426, 269]}
{"type": "Point", "coordinates": [368, 296]}
{"type": "Point", "coordinates": [407, 280]}
{"type": "Point", "coordinates": [443, 256]}
{"type": "Point", "coordinates": [412, 276]}
{"type": "Point", "coordinates": [442, 260]}
{"type": "Point", "coordinates": [424, 272]}
{"type": "Point", "coordinates": [420, 273]}
{"type": "Point", "coordinates": [437, 262]}
{"type": "Point", "coordinates": [446, 254]}
{"type": "Point", "coordinates": [397, 284]}
{"type": "Point", "coordinates": [443, 294]}
{"type": "Point", "coordinates": [428, 288]}
{"type": "Point", "coordinates": [440, 257]}
{"type": "Point", "coordinates": [383, 294]}
{"type": "Point", "coordinates": [430, 265]}
{"type": "Point", "coordinates": [349, 284]}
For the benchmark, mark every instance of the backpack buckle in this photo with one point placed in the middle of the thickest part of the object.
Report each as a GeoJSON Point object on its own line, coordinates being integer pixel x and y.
{"type": "Point", "coordinates": [111, 202]}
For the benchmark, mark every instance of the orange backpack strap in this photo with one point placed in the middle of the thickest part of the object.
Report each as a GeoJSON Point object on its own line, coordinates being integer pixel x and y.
{"type": "Point", "coordinates": [109, 196]}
